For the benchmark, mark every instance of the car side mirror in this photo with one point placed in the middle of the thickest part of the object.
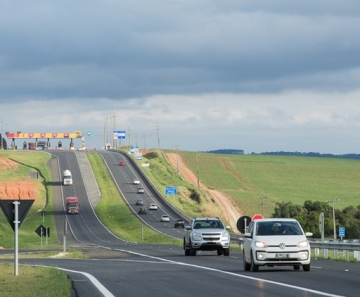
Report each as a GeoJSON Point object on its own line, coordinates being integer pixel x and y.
{"type": "Point", "coordinates": [188, 227]}
{"type": "Point", "coordinates": [308, 234]}
{"type": "Point", "coordinates": [228, 228]}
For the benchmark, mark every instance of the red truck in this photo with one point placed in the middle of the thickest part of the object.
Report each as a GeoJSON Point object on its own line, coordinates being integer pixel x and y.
{"type": "Point", "coordinates": [32, 146]}
{"type": "Point", "coordinates": [72, 205]}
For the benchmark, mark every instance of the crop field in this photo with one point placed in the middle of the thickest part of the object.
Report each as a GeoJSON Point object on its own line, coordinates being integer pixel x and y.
{"type": "Point", "coordinates": [257, 182]}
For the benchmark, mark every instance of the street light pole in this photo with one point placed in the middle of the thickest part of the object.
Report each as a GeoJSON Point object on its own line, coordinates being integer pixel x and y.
{"type": "Point", "coordinates": [333, 212]}
{"type": "Point", "coordinates": [2, 136]}
{"type": "Point", "coordinates": [157, 129]}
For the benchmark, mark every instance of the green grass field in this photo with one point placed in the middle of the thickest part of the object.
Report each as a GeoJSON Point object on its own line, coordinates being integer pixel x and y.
{"type": "Point", "coordinates": [254, 179]}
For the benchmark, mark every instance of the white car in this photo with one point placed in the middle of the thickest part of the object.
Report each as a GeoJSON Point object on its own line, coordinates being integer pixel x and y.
{"type": "Point", "coordinates": [153, 206]}
{"type": "Point", "coordinates": [276, 242]}
{"type": "Point", "coordinates": [164, 218]}
{"type": "Point", "coordinates": [136, 182]}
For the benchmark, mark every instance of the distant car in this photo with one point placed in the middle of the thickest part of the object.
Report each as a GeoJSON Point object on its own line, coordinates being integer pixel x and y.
{"type": "Point", "coordinates": [153, 206]}
{"type": "Point", "coordinates": [136, 182]}
{"type": "Point", "coordinates": [142, 210]}
{"type": "Point", "coordinates": [140, 190]}
{"type": "Point", "coordinates": [179, 223]}
{"type": "Point", "coordinates": [164, 218]}
{"type": "Point", "coordinates": [122, 163]}
{"type": "Point", "coordinates": [139, 202]}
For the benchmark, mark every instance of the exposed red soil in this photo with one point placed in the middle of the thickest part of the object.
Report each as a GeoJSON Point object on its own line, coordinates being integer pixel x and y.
{"type": "Point", "coordinates": [224, 202]}
{"type": "Point", "coordinates": [22, 189]}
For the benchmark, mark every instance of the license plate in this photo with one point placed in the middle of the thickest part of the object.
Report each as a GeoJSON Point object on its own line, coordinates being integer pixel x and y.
{"type": "Point", "coordinates": [281, 255]}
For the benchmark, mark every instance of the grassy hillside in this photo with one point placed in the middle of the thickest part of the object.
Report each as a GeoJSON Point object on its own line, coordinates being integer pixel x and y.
{"type": "Point", "coordinates": [253, 179]}
{"type": "Point", "coordinates": [29, 161]}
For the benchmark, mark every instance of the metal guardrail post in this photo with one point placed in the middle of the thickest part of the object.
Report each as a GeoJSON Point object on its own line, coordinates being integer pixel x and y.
{"type": "Point", "coordinates": [325, 253]}
{"type": "Point", "coordinates": [335, 254]}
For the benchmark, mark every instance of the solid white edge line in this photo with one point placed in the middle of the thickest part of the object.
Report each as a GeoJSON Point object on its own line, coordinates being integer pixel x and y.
{"type": "Point", "coordinates": [238, 275]}
{"type": "Point", "coordinates": [95, 282]}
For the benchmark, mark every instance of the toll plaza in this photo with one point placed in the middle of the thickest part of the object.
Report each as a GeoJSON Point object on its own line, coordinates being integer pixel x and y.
{"type": "Point", "coordinates": [42, 139]}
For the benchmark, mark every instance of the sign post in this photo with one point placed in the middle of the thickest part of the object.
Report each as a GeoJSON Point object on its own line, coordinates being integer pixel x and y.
{"type": "Point", "coordinates": [15, 212]}
{"type": "Point", "coordinates": [16, 224]}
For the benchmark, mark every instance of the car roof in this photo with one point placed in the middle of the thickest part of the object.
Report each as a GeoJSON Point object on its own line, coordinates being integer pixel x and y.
{"type": "Point", "coordinates": [275, 220]}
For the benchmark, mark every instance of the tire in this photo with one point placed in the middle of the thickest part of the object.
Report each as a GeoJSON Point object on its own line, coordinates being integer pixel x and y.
{"type": "Point", "coordinates": [192, 250]}
{"type": "Point", "coordinates": [253, 266]}
{"type": "Point", "coordinates": [227, 252]}
{"type": "Point", "coordinates": [296, 267]}
{"type": "Point", "coordinates": [306, 267]}
{"type": "Point", "coordinates": [246, 265]}
{"type": "Point", "coordinates": [187, 251]}
{"type": "Point", "coordinates": [220, 252]}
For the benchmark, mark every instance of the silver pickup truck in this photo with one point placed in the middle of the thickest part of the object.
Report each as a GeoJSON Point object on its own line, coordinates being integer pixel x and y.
{"type": "Point", "coordinates": [206, 234]}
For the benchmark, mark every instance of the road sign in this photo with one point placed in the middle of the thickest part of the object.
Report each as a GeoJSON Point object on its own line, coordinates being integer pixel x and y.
{"type": "Point", "coordinates": [341, 232]}
{"type": "Point", "coordinates": [8, 208]}
{"type": "Point", "coordinates": [42, 231]}
{"type": "Point", "coordinates": [170, 191]}
{"type": "Point", "coordinates": [243, 223]}
{"type": "Point", "coordinates": [257, 217]}
{"type": "Point", "coordinates": [119, 134]}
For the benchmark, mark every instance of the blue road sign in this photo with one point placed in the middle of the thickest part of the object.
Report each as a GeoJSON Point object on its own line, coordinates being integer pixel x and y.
{"type": "Point", "coordinates": [88, 133]}
{"type": "Point", "coordinates": [120, 134]}
{"type": "Point", "coordinates": [170, 191]}
{"type": "Point", "coordinates": [341, 231]}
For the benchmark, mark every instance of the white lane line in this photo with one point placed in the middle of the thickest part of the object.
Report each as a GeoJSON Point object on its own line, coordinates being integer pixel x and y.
{"type": "Point", "coordinates": [238, 275]}
{"type": "Point", "coordinates": [95, 282]}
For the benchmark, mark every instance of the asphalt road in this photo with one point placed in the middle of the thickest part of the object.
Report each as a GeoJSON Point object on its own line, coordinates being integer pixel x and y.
{"type": "Point", "coordinates": [120, 268]}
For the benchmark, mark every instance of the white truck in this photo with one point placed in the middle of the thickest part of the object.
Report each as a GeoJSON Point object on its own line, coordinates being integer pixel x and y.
{"type": "Point", "coordinates": [67, 178]}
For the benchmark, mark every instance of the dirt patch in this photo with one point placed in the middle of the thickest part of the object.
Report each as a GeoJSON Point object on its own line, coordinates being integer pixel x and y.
{"type": "Point", "coordinates": [23, 189]}
{"type": "Point", "coordinates": [225, 203]}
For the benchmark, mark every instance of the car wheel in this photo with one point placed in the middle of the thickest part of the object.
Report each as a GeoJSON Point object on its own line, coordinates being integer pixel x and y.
{"type": "Point", "coordinates": [306, 267]}
{"type": "Point", "coordinates": [187, 251]}
{"type": "Point", "coordinates": [227, 252]}
{"type": "Point", "coordinates": [220, 252]}
{"type": "Point", "coordinates": [246, 265]}
{"type": "Point", "coordinates": [192, 250]}
{"type": "Point", "coordinates": [296, 267]}
{"type": "Point", "coordinates": [253, 266]}
{"type": "Point", "coordinates": [175, 226]}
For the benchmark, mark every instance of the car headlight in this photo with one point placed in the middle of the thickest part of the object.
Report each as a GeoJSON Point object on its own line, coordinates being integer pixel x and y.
{"type": "Point", "coordinates": [303, 244]}
{"type": "Point", "coordinates": [196, 236]}
{"type": "Point", "coordinates": [260, 244]}
{"type": "Point", "coordinates": [225, 235]}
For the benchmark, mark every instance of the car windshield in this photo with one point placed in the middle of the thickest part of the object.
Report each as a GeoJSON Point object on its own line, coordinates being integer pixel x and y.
{"type": "Point", "coordinates": [278, 228]}
{"type": "Point", "coordinates": [200, 224]}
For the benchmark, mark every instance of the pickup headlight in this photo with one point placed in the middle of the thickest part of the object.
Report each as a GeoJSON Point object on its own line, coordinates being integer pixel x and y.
{"type": "Point", "coordinates": [196, 236]}
{"type": "Point", "coordinates": [261, 244]}
{"type": "Point", "coordinates": [303, 244]}
{"type": "Point", "coordinates": [225, 235]}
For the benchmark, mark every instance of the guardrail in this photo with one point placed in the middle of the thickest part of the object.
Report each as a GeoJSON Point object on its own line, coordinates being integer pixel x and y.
{"type": "Point", "coordinates": [339, 249]}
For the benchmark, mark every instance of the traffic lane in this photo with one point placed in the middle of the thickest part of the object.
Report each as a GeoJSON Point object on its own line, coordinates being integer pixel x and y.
{"type": "Point", "coordinates": [325, 276]}
{"type": "Point", "coordinates": [85, 226]}
{"type": "Point", "coordinates": [136, 276]}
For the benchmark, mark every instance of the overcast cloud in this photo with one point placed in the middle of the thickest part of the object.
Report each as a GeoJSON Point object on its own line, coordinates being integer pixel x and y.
{"type": "Point", "coordinates": [253, 75]}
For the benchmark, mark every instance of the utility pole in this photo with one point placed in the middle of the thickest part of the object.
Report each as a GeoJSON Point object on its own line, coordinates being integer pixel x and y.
{"type": "Point", "coordinates": [144, 135]}
{"type": "Point", "coordinates": [129, 137]}
{"type": "Point", "coordinates": [157, 129]}
{"type": "Point", "coordinates": [263, 203]}
{"type": "Point", "coordinates": [333, 212]}
{"type": "Point", "coordinates": [135, 140]}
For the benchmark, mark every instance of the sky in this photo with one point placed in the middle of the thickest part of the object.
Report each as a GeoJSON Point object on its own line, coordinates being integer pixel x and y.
{"type": "Point", "coordinates": [259, 76]}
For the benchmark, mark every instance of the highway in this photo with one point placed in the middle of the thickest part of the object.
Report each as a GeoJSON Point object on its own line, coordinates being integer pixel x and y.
{"type": "Point", "coordinates": [129, 269]}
